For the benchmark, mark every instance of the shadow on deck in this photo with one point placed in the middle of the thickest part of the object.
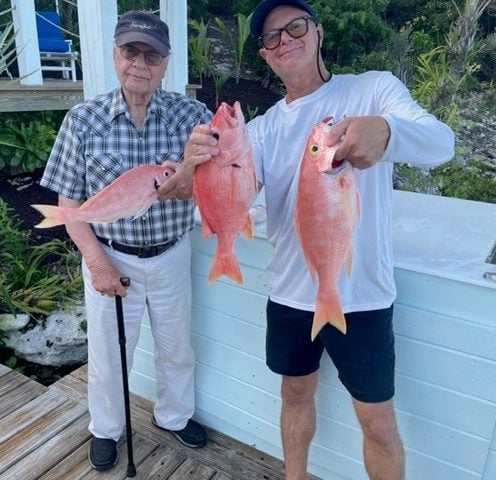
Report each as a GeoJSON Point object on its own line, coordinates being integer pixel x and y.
{"type": "Point", "coordinates": [44, 435]}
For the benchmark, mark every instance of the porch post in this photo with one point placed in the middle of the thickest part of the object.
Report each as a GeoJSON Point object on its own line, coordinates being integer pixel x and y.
{"type": "Point", "coordinates": [97, 20]}
{"type": "Point", "coordinates": [27, 49]}
{"type": "Point", "coordinates": [174, 13]}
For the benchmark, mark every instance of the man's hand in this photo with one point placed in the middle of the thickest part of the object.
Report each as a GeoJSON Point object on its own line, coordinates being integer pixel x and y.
{"type": "Point", "coordinates": [106, 279]}
{"type": "Point", "coordinates": [364, 140]}
{"type": "Point", "coordinates": [179, 186]}
{"type": "Point", "coordinates": [201, 147]}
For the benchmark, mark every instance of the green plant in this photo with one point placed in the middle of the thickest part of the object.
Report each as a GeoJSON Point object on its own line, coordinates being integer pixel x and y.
{"type": "Point", "coordinates": [473, 181]}
{"type": "Point", "coordinates": [25, 148]}
{"type": "Point", "coordinates": [7, 47]}
{"type": "Point", "coordinates": [37, 279]}
{"type": "Point", "coordinates": [463, 44]}
{"type": "Point", "coordinates": [200, 48]}
{"type": "Point", "coordinates": [237, 42]}
{"type": "Point", "coordinates": [251, 112]}
{"type": "Point", "coordinates": [219, 81]}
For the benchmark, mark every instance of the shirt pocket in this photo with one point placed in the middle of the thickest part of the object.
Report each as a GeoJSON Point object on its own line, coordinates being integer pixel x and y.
{"type": "Point", "coordinates": [101, 170]}
{"type": "Point", "coordinates": [173, 156]}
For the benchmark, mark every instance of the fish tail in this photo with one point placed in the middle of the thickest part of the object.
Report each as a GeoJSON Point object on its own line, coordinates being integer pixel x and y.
{"type": "Point", "coordinates": [225, 264]}
{"type": "Point", "coordinates": [328, 310]}
{"type": "Point", "coordinates": [53, 215]}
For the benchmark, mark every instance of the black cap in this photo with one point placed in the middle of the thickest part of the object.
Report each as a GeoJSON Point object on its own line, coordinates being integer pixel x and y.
{"type": "Point", "coordinates": [143, 27]}
{"type": "Point", "coordinates": [265, 7]}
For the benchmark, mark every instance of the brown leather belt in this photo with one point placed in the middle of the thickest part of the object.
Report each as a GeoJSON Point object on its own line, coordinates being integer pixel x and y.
{"type": "Point", "coordinates": [140, 252]}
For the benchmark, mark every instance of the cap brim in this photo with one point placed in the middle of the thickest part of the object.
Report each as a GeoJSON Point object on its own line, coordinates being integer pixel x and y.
{"type": "Point", "coordinates": [130, 37]}
{"type": "Point", "coordinates": [264, 8]}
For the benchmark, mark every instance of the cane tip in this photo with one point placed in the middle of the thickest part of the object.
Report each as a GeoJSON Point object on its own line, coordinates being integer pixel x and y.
{"type": "Point", "coordinates": [131, 471]}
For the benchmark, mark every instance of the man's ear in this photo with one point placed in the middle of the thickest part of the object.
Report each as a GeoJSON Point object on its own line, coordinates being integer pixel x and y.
{"type": "Point", "coordinates": [263, 53]}
{"type": "Point", "coordinates": [321, 32]}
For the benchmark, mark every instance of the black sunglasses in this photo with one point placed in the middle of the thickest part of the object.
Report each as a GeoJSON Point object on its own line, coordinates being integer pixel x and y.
{"type": "Point", "coordinates": [152, 57]}
{"type": "Point", "coordinates": [295, 29]}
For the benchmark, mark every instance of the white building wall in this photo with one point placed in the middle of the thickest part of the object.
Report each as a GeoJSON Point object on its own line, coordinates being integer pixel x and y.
{"type": "Point", "coordinates": [446, 359]}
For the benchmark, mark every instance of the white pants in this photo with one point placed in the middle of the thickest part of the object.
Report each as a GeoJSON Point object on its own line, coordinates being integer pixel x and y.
{"type": "Point", "coordinates": [163, 285]}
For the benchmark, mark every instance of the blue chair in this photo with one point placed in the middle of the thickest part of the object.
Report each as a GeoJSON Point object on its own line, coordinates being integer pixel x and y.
{"type": "Point", "coordinates": [53, 47]}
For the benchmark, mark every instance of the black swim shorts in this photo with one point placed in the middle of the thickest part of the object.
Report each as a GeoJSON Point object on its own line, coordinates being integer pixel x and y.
{"type": "Point", "coordinates": [364, 357]}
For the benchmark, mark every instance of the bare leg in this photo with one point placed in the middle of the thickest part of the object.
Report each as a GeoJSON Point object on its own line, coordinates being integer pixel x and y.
{"type": "Point", "coordinates": [298, 420]}
{"type": "Point", "coordinates": [383, 450]}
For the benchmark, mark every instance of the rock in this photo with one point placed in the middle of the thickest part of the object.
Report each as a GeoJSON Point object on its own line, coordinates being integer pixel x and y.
{"type": "Point", "coordinates": [57, 341]}
{"type": "Point", "coordinates": [9, 321]}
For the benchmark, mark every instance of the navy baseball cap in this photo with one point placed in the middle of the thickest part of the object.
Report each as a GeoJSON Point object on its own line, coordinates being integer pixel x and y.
{"type": "Point", "coordinates": [265, 7]}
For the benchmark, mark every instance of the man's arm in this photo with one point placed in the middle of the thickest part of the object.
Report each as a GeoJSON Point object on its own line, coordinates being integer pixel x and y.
{"type": "Point", "coordinates": [104, 276]}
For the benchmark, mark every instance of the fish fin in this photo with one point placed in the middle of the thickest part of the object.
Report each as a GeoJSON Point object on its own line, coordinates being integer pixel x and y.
{"type": "Point", "coordinates": [207, 230]}
{"type": "Point", "coordinates": [53, 215]}
{"type": "Point", "coordinates": [142, 211]}
{"type": "Point", "coordinates": [225, 264]}
{"type": "Point", "coordinates": [248, 228]}
{"type": "Point", "coordinates": [328, 310]}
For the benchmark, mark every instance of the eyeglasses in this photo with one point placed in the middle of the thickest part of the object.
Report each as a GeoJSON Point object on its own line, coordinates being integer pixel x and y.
{"type": "Point", "coordinates": [152, 57]}
{"type": "Point", "coordinates": [295, 29]}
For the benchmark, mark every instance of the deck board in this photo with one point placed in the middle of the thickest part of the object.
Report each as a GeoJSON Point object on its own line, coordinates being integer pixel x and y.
{"type": "Point", "coordinates": [47, 427]}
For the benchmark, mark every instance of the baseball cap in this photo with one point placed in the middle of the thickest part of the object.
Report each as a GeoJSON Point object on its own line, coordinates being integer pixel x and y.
{"type": "Point", "coordinates": [265, 7]}
{"type": "Point", "coordinates": [135, 26]}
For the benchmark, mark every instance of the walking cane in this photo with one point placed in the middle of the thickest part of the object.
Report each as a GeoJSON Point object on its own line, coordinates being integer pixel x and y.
{"type": "Point", "coordinates": [131, 469]}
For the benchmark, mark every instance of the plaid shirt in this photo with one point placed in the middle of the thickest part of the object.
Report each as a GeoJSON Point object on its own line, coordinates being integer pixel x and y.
{"type": "Point", "coordinates": [97, 142]}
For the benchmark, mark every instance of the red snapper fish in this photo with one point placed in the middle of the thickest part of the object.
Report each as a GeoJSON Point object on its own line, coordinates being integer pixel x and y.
{"type": "Point", "coordinates": [129, 195]}
{"type": "Point", "coordinates": [224, 189]}
{"type": "Point", "coordinates": [326, 214]}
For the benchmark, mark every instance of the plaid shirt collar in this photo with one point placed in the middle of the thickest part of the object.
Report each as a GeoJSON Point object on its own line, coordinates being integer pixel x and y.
{"type": "Point", "coordinates": [118, 105]}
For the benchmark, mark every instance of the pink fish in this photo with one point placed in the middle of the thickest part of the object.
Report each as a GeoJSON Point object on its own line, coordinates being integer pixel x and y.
{"type": "Point", "coordinates": [224, 190]}
{"type": "Point", "coordinates": [129, 195]}
{"type": "Point", "coordinates": [327, 211]}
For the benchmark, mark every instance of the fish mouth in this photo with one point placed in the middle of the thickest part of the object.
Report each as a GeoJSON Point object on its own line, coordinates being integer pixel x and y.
{"type": "Point", "coordinates": [338, 168]}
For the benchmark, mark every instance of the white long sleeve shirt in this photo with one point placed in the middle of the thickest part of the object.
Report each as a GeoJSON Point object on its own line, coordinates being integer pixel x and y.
{"type": "Point", "coordinates": [279, 138]}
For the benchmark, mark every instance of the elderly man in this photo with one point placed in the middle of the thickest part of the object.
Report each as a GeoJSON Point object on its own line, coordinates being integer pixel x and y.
{"type": "Point", "coordinates": [135, 124]}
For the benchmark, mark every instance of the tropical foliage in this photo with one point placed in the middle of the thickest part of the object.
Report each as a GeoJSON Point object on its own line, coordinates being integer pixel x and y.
{"type": "Point", "coordinates": [35, 279]}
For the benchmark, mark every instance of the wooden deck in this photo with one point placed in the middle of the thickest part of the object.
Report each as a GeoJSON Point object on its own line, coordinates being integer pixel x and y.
{"type": "Point", "coordinates": [52, 95]}
{"type": "Point", "coordinates": [44, 435]}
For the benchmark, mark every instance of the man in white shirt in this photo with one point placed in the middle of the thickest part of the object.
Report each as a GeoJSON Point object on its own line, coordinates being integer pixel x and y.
{"type": "Point", "coordinates": [380, 124]}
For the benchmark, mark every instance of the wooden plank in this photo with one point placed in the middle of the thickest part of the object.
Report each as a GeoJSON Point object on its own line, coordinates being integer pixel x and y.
{"type": "Point", "coordinates": [4, 369]}
{"type": "Point", "coordinates": [38, 433]}
{"type": "Point", "coordinates": [162, 463]}
{"type": "Point", "coordinates": [10, 381]}
{"type": "Point", "coordinates": [454, 333]}
{"type": "Point", "coordinates": [192, 470]}
{"type": "Point", "coordinates": [55, 96]}
{"type": "Point", "coordinates": [73, 387]}
{"type": "Point", "coordinates": [28, 414]}
{"type": "Point", "coordinates": [51, 452]}
{"type": "Point", "coordinates": [231, 462]}
{"type": "Point", "coordinates": [21, 395]}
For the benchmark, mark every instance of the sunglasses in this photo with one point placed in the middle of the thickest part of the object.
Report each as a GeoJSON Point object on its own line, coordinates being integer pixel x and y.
{"type": "Point", "coordinates": [152, 57]}
{"type": "Point", "coordinates": [295, 29]}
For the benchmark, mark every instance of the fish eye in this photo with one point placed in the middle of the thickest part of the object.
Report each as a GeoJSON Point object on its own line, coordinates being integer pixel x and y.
{"type": "Point", "coordinates": [314, 149]}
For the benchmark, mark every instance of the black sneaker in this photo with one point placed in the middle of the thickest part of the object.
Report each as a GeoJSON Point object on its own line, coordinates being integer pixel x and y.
{"type": "Point", "coordinates": [103, 453]}
{"type": "Point", "coordinates": [192, 435]}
